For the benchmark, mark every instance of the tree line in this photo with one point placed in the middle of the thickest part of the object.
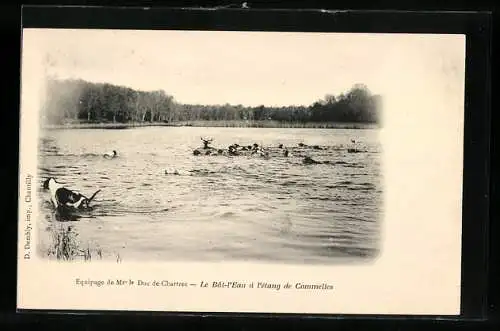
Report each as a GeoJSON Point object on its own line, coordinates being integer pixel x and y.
{"type": "Point", "coordinates": [82, 101]}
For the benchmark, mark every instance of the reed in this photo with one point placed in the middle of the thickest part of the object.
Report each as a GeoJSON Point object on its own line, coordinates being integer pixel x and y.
{"type": "Point", "coordinates": [66, 246]}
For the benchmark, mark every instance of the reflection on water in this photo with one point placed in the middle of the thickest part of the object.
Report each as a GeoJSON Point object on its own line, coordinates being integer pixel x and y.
{"type": "Point", "coordinates": [161, 202]}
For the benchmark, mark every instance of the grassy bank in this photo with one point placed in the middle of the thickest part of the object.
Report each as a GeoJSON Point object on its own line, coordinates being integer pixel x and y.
{"type": "Point", "coordinates": [61, 242]}
{"type": "Point", "coordinates": [227, 124]}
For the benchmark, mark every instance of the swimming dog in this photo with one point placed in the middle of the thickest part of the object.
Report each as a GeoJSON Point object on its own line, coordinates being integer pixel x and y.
{"type": "Point", "coordinates": [309, 160]}
{"type": "Point", "coordinates": [110, 155]}
{"type": "Point", "coordinates": [63, 197]}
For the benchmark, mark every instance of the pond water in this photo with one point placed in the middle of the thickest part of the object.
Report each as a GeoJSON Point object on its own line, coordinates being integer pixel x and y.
{"type": "Point", "coordinates": [160, 202]}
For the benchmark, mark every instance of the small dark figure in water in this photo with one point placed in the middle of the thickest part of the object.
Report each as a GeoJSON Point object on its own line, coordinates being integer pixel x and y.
{"type": "Point", "coordinates": [353, 141]}
{"type": "Point", "coordinates": [352, 150]}
{"type": "Point", "coordinates": [286, 153]}
{"type": "Point", "coordinates": [249, 147]}
{"type": "Point", "coordinates": [317, 147]}
{"type": "Point", "coordinates": [255, 148]}
{"type": "Point", "coordinates": [309, 160]}
{"type": "Point", "coordinates": [196, 152]}
{"type": "Point", "coordinates": [208, 152]}
{"type": "Point", "coordinates": [232, 151]}
{"type": "Point", "coordinates": [280, 146]}
{"type": "Point", "coordinates": [206, 142]}
{"type": "Point", "coordinates": [244, 148]}
{"type": "Point", "coordinates": [110, 155]}
{"type": "Point", "coordinates": [220, 151]}
{"type": "Point", "coordinates": [302, 144]}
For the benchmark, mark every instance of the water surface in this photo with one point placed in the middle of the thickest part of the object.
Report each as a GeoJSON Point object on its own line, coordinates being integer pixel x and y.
{"type": "Point", "coordinates": [218, 207]}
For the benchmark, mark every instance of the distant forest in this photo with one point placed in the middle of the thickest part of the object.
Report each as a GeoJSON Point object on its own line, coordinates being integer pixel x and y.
{"type": "Point", "coordinates": [85, 102]}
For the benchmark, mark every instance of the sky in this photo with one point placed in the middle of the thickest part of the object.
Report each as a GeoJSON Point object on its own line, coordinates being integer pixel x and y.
{"type": "Point", "coordinates": [249, 68]}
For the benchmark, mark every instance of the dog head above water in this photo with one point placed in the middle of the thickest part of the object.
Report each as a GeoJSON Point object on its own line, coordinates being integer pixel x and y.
{"type": "Point", "coordinates": [110, 155]}
{"type": "Point", "coordinates": [49, 183]}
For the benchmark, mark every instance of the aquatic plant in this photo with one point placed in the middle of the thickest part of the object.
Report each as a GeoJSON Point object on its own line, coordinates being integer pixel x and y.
{"type": "Point", "coordinates": [66, 246]}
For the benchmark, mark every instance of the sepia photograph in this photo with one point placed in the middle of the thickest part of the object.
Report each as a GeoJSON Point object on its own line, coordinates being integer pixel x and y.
{"type": "Point", "coordinates": [241, 171]}
{"type": "Point", "coordinates": [176, 145]}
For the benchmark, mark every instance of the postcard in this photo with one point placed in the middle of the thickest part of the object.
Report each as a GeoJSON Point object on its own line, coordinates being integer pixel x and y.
{"type": "Point", "coordinates": [233, 171]}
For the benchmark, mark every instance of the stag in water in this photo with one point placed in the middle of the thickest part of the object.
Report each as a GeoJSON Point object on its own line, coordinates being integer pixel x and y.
{"type": "Point", "coordinates": [206, 142]}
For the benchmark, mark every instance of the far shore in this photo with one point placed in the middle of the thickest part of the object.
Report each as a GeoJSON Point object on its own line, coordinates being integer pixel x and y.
{"type": "Point", "coordinates": [228, 124]}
